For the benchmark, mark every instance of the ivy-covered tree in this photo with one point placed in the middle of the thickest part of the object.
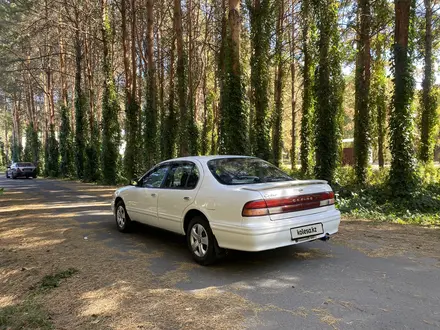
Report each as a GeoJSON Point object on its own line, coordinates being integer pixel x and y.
{"type": "Point", "coordinates": [32, 147]}
{"type": "Point", "coordinates": [429, 98]}
{"type": "Point", "coordinates": [277, 130]}
{"type": "Point", "coordinates": [66, 145]}
{"type": "Point", "coordinates": [233, 123]}
{"type": "Point", "coordinates": [52, 162]}
{"type": "Point", "coordinates": [261, 24]}
{"type": "Point", "coordinates": [329, 91]}
{"type": "Point", "coordinates": [402, 173]}
{"type": "Point", "coordinates": [111, 134]}
{"type": "Point", "coordinates": [150, 133]}
{"type": "Point", "coordinates": [362, 132]}
{"type": "Point", "coordinates": [378, 96]}
{"type": "Point", "coordinates": [308, 101]}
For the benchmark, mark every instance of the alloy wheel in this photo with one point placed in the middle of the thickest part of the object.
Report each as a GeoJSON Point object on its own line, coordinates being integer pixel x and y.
{"type": "Point", "coordinates": [199, 240]}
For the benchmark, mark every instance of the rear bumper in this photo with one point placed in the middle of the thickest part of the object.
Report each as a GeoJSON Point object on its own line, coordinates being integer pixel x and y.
{"type": "Point", "coordinates": [273, 234]}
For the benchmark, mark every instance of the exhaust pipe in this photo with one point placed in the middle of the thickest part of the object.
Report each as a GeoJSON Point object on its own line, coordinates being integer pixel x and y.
{"type": "Point", "coordinates": [325, 238]}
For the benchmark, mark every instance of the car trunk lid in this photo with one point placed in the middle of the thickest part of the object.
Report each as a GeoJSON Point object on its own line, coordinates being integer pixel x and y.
{"type": "Point", "coordinates": [290, 199]}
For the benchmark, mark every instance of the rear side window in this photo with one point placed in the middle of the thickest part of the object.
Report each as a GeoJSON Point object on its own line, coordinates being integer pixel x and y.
{"type": "Point", "coordinates": [25, 164]}
{"type": "Point", "coordinates": [235, 171]}
{"type": "Point", "coordinates": [182, 176]}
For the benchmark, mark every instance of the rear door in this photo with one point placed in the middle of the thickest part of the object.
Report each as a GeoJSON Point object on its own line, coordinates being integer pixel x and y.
{"type": "Point", "coordinates": [179, 191]}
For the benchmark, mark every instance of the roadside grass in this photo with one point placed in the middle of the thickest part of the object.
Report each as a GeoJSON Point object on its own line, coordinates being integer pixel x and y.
{"type": "Point", "coordinates": [30, 313]}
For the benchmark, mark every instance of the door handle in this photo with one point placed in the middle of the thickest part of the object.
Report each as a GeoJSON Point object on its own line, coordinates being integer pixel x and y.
{"type": "Point", "coordinates": [153, 195]}
{"type": "Point", "coordinates": [187, 198]}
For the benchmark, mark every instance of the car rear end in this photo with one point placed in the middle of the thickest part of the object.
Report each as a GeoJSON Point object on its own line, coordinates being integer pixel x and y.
{"type": "Point", "coordinates": [289, 213]}
{"type": "Point", "coordinates": [26, 170]}
{"type": "Point", "coordinates": [276, 210]}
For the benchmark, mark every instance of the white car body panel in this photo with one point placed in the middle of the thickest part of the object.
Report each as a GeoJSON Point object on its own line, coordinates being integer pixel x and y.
{"type": "Point", "coordinates": [222, 205]}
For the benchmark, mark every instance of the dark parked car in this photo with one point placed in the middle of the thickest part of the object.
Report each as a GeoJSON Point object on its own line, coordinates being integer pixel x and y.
{"type": "Point", "coordinates": [17, 170]}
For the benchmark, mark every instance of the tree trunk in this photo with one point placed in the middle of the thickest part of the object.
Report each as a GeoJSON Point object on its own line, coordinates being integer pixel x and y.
{"type": "Point", "coordinates": [150, 122]}
{"type": "Point", "coordinates": [279, 80]}
{"type": "Point", "coordinates": [293, 90]}
{"type": "Point", "coordinates": [402, 174]}
{"type": "Point", "coordinates": [429, 101]}
{"type": "Point", "coordinates": [181, 86]}
{"type": "Point", "coordinates": [362, 93]}
{"type": "Point", "coordinates": [308, 95]}
{"type": "Point", "coordinates": [235, 29]}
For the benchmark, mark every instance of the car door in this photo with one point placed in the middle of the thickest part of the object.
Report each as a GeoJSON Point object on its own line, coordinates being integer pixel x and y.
{"type": "Point", "coordinates": [179, 191]}
{"type": "Point", "coordinates": [142, 202]}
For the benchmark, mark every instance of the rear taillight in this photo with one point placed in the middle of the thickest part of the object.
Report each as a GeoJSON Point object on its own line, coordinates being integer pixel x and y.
{"type": "Point", "coordinates": [288, 204]}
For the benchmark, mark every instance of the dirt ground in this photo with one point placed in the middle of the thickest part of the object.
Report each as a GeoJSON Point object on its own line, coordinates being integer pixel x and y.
{"type": "Point", "coordinates": [115, 289]}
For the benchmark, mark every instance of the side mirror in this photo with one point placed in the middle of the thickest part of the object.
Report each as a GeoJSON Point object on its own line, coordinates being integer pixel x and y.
{"type": "Point", "coordinates": [134, 182]}
{"type": "Point", "coordinates": [9, 167]}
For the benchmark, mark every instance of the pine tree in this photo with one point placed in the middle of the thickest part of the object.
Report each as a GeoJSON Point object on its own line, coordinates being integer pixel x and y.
{"type": "Point", "coordinates": [402, 173]}
{"type": "Point", "coordinates": [329, 89]}
{"type": "Point", "coordinates": [233, 124]}
{"type": "Point", "coordinates": [111, 135]}
{"type": "Point", "coordinates": [261, 23]}
{"type": "Point", "coordinates": [308, 102]}
{"type": "Point", "coordinates": [66, 145]}
{"type": "Point", "coordinates": [362, 132]}
{"type": "Point", "coordinates": [429, 99]}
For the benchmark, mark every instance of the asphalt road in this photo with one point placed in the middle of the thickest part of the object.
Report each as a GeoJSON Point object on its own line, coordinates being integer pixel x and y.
{"type": "Point", "coordinates": [335, 286]}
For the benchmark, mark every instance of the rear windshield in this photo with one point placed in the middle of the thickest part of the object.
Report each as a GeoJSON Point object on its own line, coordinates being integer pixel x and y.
{"type": "Point", "coordinates": [235, 171]}
{"type": "Point", "coordinates": [25, 164]}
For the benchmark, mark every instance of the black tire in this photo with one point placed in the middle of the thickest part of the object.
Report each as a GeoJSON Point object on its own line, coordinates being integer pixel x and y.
{"type": "Point", "coordinates": [210, 255]}
{"type": "Point", "coordinates": [123, 226]}
{"type": "Point", "coordinates": [7, 175]}
{"type": "Point", "coordinates": [35, 176]}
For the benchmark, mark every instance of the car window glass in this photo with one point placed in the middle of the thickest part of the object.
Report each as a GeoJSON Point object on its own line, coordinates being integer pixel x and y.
{"type": "Point", "coordinates": [178, 176]}
{"type": "Point", "coordinates": [235, 171]}
{"type": "Point", "coordinates": [193, 178]}
{"type": "Point", "coordinates": [154, 178]}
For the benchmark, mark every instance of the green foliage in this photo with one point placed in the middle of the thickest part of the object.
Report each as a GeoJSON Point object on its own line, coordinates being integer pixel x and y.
{"type": "Point", "coordinates": [131, 157]}
{"type": "Point", "coordinates": [32, 147]}
{"type": "Point", "coordinates": [168, 132]}
{"type": "Point", "coordinates": [66, 145]}
{"type": "Point", "coordinates": [54, 155]}
{"type": "Point", "coordinates": [16, 151]}
{"type": "Point", "coordinates": [92, 168]}
{"type": "Point", "coordinates": [150, 127]}
{"type": "Point", "coordinates": [50, 282]}
{"type": "Point", "coordinates": [261, 23]}
{"type": "Point", "coordinates": [26, 315]}
{"type": "Point", "coordinates": [378, 97]}
{"type": "Point", "coordinates": [111, 135]}
{"type": "Point", "coordinates": [308, 102]}
{"type": "Point", "coordinates": [329, 88]}
{"type": "Point", "coordinates": [233, 122]}
{"type": "Point", "coordinates": [376, 201]}
{"type": "Point", "coordinates": [208, 124]}
{"type": "Point", "coordinates": [80, 135]}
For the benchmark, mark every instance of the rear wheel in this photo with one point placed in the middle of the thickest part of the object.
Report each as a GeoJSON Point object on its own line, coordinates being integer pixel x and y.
{"type": "Point", "coordinates": [123, 221]}
{"type": "Point", "coordinates": [201, 241]}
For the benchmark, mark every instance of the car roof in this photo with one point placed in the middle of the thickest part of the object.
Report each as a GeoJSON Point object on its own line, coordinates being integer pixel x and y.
{"type": "Point", "coordinates": [206, 158]}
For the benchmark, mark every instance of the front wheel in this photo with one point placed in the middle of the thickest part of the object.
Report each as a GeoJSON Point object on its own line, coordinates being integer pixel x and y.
{"type": "Point", "coordinates": [201, 241]}
{"type": "Point", "coordinates": [123, 221]}
{"type": "Point", "coordinates": [7, 175]}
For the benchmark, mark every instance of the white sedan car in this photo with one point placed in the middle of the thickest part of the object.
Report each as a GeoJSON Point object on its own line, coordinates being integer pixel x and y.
{"type": "Point", "coordinates": [228, 202]}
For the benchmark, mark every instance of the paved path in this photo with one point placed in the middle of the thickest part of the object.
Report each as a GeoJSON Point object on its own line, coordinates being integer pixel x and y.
{"type": "Point", "coordinates": [318, 285]}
